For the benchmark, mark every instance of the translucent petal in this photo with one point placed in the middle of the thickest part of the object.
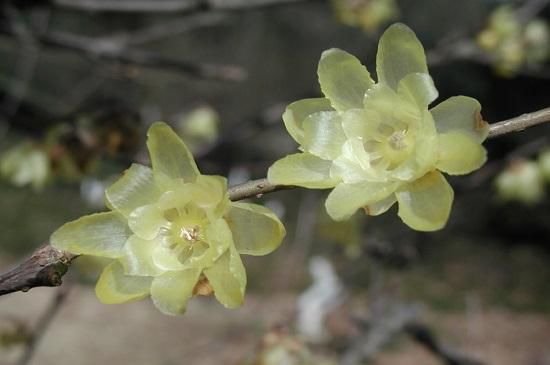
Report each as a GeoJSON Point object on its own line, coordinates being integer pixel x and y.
{"type": "Point", "coordinates": [206, 191]}
{"type": "Point", "coordinates": [345, 199]}
{"type": "Point", "coordinates": [425, 204]}
{"type": "Point", "coordinates": [399, 53]}
{"type": "Point", "coordinates": [381, 206]}
{"type": "Point", "coordinates": [113, 287]}
{"type": "Point", "coordinates": [138, 257]}
{"type": "Point", "coordinates": [382, 99]}
{"type": "Point", "coordinates": [460, 153]}
{"type": "Point", "coordinates": [419, 88]}
{"type": "Point", "coordinates": [166, 259]}
{"type": "Point", "coordinates": [102, 234]}
{"type": "Point", "coordinates": [354, 163]}
{"type": "Point", "coordinates": [171, 290]}
{"type": "Point", "coordinates": [302, 169]}
{"type": "Point", "coordinates": [146, 221]}
{"type": "Point", "coordinates": [295, 113]}
{"type": "Point", "coordinates": [324, 135]}
{"type": "Point", "coordinates": [228, 279]}
{"type": "Point", "coordinates": [460, 113]}
{"type": "Point", "coordinates": [256, 229]}
{"type": "Point", "coordinates": [134, 189]}
{"type": "Point", "coordinates": [359, 123]}
{"type": "Point", "coordinates": [348, 171]}
{"type": "Point", "coordinates": [219, 237]}
{"type": "Point", "coordinates": [169, 155]}
{"type": "Point", "coordinates": [425, 153]}
{"type": "Point", "coordinates": [343, 79]}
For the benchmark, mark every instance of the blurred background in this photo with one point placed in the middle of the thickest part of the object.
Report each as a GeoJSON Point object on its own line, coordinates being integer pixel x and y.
{"type": "Point", "coordinates": [80, 82]}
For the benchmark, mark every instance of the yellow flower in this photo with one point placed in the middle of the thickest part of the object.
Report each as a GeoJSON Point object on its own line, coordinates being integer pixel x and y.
{"type": "Point", "coordinates": [172, 233]}
{"type": "Point", "coordinates": [378, 143]}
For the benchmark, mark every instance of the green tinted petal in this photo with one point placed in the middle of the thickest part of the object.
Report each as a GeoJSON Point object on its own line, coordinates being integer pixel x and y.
{"type": "Point", "coordinates": [343, 79]}
{"type": "Point", "coordinates": [207, 191]}
{"type": "Point", "coordinates": [102, 234]}
{"type": "Point", "coordinates": [324, 135]}
{"type": "Point", "coordinates": [256, 229]}
{"type": "Point", "coordinates": [460, 113]}
{"type": "Point", "coordinates": [354, 164]}
{"type": "Point", "coordinates": [345, 199]}
{"type": "Point", "coordinates": [135, 188]}
{"type": "Point", "coordinates": [419, 88]}
{"type": "Point", "coordinates": [166, 259]}
{"type": "Point", "coordinates": [425, 154]}
{"type": "Point", "coordinates": [138, 257]}
{"type": "Point", "coordinates": [399, 53]}
{"type": "Point", "coordinates": [425, 204]}
{"type": "Point", "coordinates": [302, 169]}
{"type": "Point", "coordinates": [113, 287]}
{"type": "Point", "coordinates": [219, 237]}
{"type": "Point", "coordinates": [169, 155]}
{"type": "Point", "coordinates": [228, 279]}
{"type": "Point", "coordinates": [295, 113]}
{"type": "Point", "coordinates": [381, 206]}
{"type": "Point", "coordinates": [357, 122]}
{"type": "Point", "coordinates": [146, 221]}
{"type": "Point", "coordinates": [460, 153]}
{"type": "Point", "coordinates": [171, 290]}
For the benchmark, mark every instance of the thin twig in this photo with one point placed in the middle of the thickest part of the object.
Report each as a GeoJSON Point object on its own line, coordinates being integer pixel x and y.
{"type": "Point", "coordinates": [43, 324]}
{"type": "Point", "coordinates": [520, 123]}
{"type": "Point", "coordinates": [117, 50]}
{"type": "Point", "coordinates": [254, 188]}
{"type": "Point", "coordinates": [47, 265]}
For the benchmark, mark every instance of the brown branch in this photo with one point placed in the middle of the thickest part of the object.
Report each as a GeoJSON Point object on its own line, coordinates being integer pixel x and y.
{"type": "Point", "coordinates": [520, 123]}
{"type": "Point", "coordinates": [47, 265]}
{"type": "Point", "coordinates": [254, 188]}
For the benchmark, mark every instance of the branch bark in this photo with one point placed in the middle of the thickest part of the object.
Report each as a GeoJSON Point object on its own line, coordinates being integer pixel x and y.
{"type": "Point", "coordinates": [47, 265]}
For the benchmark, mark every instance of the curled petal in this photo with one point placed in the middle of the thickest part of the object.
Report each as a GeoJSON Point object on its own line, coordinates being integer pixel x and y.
{"type": "Point", "coordinates": [424, 155]}
{"type": "Point", "coordinates": [256, 229]}
{"type": "Point", "coordinates": [138, 257]}
{"type": "Point", "coordinates": [343, 79]}
{"type": "Point", "coordinates": [418, 87]}
{"type": "Point", "coordinates": [425, 204]}
{"type": "Point", "coordinates": [463, 114]}
{"type": "Point", "coordinates": [134, 189]}
{"type": "Point", "coordinates": [169, 156]}
{"type": "Point", "coordinates": [460, 153]}
{"type": "Point", "coordinates": [171, 291]}
{"type": "Point", "coordinates": [228, 279]}
{"type": "Point", "coordinates": [324, 135]}
{"type": "Point", "coordinates": [101, 234]}
{"type": "Point", "coordinates": [114, 287]}
{"type": "Point", "coordinates": [399, 53]}
{"type": "Point", "coordinates": [166, 259]}
{"type": "Point", "coordinates": [345, 199]}
{"type": "Point", "coordinates": [381, 206]}
{"type": "Point", "coordinates": [297, 112]}
{"type": "Point", "coordinates": [146, 221]}
{"type": "Point", "coordinates": [302, 169]}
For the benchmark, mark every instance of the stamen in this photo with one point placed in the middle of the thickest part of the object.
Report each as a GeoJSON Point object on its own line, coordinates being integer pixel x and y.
{"type": "Point", "coordinates": [397, 140]}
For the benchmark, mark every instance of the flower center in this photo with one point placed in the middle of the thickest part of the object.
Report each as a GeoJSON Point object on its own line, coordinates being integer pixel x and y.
{"type": "Point", "coordinates": [397, 140]}
{"type": "Point", "coordinates": [191, 235]}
